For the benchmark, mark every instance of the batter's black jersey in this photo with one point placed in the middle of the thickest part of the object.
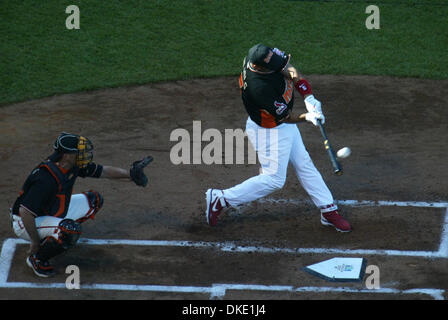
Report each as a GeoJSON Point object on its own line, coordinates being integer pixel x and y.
{"type": "Point", "coordinates": [47, 190]}
{"type": "Point", "coordinates": [267, 97]}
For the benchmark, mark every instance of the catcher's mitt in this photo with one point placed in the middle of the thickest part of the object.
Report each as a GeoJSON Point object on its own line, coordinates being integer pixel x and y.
{"type": "Point", "coordinates": [136, 171]}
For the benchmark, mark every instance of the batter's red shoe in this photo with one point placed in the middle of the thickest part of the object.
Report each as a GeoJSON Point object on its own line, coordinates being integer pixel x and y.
{"type": "Point", "coordinates": [333, 218]}
{"type": "Point", "coordinates": [215, 203]}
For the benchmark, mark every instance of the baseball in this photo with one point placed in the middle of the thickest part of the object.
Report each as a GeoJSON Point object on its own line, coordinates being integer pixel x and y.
{"type": "Point", "coordinates": [343, 153]}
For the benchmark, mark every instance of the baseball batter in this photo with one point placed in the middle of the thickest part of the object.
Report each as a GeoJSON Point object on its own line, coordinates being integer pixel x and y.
{"type": "Point", "coordinates": [47, 214]}
{"type": "Point", "coordinates": [267, 85]}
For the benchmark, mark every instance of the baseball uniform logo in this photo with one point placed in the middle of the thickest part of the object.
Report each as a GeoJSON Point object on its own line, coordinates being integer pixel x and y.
{"type": "Point", "coordinates": [303, 87]}
{"type": "Point", "coordinates": [215, 205]}
{"type": "Point", "coordinates": [278, 52]}
{"type": "Point", "coordinates": [280, 107]}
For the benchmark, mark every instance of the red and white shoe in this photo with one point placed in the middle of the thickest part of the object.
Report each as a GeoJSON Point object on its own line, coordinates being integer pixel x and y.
{"type": "Point", "coordinates": [333, 218]}
{"type": "Point", "coordinates": [215, 203]}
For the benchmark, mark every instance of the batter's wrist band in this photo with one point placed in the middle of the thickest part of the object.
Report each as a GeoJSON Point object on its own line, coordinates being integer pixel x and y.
{"type": "Point", "coordinates": [303, 87]}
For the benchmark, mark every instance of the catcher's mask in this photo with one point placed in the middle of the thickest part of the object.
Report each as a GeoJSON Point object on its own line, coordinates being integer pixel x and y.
{"type": "Point", "coordinates": [73, 143]}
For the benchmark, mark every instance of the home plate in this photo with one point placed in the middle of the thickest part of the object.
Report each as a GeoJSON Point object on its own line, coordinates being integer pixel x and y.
{"type": "Point", "coordinates": [339, 269]}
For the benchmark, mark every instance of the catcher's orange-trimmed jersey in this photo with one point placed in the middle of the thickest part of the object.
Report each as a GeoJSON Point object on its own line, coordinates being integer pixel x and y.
{"type": "Point", "coordinates": [47, 190]}
{"type": "Point", "coordinates": [267, 97]}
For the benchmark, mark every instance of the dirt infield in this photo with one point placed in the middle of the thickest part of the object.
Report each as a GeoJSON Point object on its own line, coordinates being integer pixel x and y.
{"type": "Point", "coordinates": [396, 129]}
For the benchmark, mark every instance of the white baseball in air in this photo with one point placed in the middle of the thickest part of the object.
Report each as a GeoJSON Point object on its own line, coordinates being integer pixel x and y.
{"type": "Point", "coordinates": [344, 152]}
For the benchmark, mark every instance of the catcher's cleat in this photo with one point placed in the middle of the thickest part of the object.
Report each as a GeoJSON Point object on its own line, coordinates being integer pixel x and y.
{"type": "Point", "coordinates": [333, 218]}
{"type": "Point", "coordinates": [41, 268]}
{"type": "Point", "coordinates": [215, 203]}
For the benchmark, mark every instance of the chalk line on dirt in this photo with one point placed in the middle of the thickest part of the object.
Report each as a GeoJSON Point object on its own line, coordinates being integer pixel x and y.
{"type": "Point", "coordinates": [219, 290]}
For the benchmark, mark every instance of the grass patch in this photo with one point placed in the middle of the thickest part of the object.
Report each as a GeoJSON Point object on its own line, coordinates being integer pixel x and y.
{"type": "Point", "coordinates": [133, 42]}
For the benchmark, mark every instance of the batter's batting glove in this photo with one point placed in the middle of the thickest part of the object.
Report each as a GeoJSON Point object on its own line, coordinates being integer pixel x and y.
{"type": "Point", "coordinates": [314, 116]}
{"type": "Point", "coordinates": [136, 171]}
{"type": "Point", "coordinates": [312, 104]}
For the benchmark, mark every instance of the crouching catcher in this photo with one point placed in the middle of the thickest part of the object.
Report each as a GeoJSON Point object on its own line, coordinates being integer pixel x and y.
{"type": "Point", "coordinates": [47, 214]}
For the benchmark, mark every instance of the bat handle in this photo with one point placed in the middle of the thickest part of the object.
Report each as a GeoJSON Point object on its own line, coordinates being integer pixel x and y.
{"type": "Point", "coordinates": [322, 129]}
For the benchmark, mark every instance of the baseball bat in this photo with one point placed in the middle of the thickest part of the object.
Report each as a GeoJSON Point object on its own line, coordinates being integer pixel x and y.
{"type": "Point", "coordinates": [337, 169]}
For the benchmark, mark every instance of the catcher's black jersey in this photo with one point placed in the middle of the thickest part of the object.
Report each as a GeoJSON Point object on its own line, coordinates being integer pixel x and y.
{"type": "Point", "coordinates": [48, 189]}
{"type": "Point", "coordinates": [267, 97]}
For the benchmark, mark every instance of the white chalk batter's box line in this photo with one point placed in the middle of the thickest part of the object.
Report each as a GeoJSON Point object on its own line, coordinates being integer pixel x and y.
{"type": "Point", "coordinates": [219, 290]}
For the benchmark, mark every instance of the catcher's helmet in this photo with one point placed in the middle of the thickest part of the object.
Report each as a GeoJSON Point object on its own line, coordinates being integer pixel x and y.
{"type": "Point", "coordinates": [73, 143]}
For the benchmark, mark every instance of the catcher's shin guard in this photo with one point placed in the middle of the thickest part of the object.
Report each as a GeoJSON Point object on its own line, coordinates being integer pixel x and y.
{"type": "Point", "coordinates": [69, 233]}
{"type": "Point", "coordinates": [95, 200]}
{"type": "Point", "coordinates": [49, 248]}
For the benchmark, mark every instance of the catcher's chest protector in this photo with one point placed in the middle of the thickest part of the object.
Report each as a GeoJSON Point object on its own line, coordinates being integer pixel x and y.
{"type": "Point", "coordinates": [59, 205]}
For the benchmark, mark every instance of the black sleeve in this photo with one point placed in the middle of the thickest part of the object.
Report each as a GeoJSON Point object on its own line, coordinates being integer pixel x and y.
{"type": "Point", "coordinates": [270, 101]}
{"type": "Point", "coordinates": [92, 170]}
{"type": "Point", "coordinates": [40, 193]}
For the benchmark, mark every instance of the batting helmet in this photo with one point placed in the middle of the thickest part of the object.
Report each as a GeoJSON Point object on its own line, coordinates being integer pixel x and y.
{"type": "Point", "coordinates": [270, 58]}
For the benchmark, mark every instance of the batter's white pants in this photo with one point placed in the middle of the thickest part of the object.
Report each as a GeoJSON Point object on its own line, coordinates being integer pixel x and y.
{"type": "Point", "coordinates": [48, 226]}
{"type": "Point", "coordinates": [275, 148]}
